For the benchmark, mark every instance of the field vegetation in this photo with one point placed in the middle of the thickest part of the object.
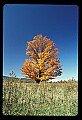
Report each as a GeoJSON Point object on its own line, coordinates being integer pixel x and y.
{"type": "Point", "coordinates": [43, 99]}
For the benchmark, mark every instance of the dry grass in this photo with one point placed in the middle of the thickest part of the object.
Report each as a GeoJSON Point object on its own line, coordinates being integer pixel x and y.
{"type": "Point", "coordinates": [44, 99]}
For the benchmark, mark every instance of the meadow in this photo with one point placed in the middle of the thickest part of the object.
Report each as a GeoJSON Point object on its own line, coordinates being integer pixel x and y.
{"type": "Point", "coordinates": [43, 99]}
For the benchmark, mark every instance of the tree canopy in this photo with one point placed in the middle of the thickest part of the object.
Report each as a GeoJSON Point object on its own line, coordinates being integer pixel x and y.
{"type": "Point", "coordinates": [42, 63]}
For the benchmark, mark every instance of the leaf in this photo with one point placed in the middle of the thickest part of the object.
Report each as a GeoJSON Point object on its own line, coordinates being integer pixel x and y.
{"type": "Point", "coordinates": [43, 63]}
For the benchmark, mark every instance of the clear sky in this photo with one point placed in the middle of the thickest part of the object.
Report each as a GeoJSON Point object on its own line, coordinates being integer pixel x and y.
{"type": "Point", "coordinates": [58, 22]}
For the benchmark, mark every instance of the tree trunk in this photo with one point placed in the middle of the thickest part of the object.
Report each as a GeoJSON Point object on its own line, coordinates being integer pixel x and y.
{"type": "Point", "coordinates": [39, 75]}
{"type": "Point", "coordinates": [37, 81]}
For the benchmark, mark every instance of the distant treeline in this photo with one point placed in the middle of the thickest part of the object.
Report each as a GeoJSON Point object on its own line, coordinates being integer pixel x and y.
{"type": "Point", "coordinates": [22, 79]}
{"type": "Point", "coordinates": [25, 80]}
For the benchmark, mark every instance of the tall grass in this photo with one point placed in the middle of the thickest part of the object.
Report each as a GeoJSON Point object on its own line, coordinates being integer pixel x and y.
{"type": "Point", "coordinates": [44, 99]}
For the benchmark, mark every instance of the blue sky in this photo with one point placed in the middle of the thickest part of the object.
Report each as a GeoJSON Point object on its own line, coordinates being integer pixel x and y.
{"type": "Point", "coordinates": [58, 22]}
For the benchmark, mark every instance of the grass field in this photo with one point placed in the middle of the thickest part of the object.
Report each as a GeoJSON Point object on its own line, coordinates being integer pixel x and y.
{"type": "Point", "coordinates": [44, 99]}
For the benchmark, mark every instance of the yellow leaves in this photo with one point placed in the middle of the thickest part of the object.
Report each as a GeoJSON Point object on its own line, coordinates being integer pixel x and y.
{"type": "Point", "coordinates": [49, 43]}
{"type": "Point", "coordinates": [39, 36]}
{"type": "Point", "coordinates": [29, 43]}
{"type": "Point", "coordinates": [44, 38]}
{"type": "Point", "coordinates": [27, 67]}
{"type": "Point", "coordinates": [27, 62]}
{"type": "Point", "coordinates": [47, 49]}
{"type": "Point", "coordinates": [49, 70]}
{"type": "Point", "coordinates": [37, 69]}
{"type": "Point", "coordinates": [35, 65]}
{"type": "Point", "coordinates": [51, 53]}
{"type": "Point", "coordinates": [42, 55]}
{"type": "Point", "coordinates": [24, 70]}
{"type": "Point", "coordinates": [32, 74]}
{"type": "Point", "coordinates": [34, 41]}
{"type": "Point", "coordinates": [37, 47]}
{"type": "Point", "coordinates": [44, 77]}
{"type": "Point", "coordinates": [30, 46]}
{"type": "Point", "coordinates": [41, 67]}
{"type": "Point", "coordinates": [28, 53]}
{"type": "Point", "coordinates": [41, 64]}
{"type": "Point", "coordinates": [41, 61]}
{"type": "Point", "coordinates": [56, 49]}
{"type": "Point", "coordinates": [35, 37]}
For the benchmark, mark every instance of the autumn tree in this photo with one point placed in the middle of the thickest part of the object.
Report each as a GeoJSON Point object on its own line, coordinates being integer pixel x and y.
{"type": "Point", "coordinates": [42, 64]}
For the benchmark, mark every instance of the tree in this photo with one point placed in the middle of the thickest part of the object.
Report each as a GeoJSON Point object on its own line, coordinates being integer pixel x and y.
{"type": "Point", "coordinates": [12, 74]}
{"type": "Point", "coordinates": [42, 64]}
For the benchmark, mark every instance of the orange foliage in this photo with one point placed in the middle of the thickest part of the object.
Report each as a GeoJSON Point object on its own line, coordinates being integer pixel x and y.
{"type": "Point", "coordinates": [43, 63]}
